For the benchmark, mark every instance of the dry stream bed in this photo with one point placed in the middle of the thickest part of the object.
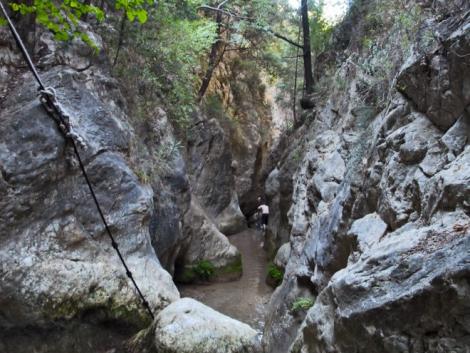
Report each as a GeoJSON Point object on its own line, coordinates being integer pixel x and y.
{"type": "Point", "coordinates": [244, 299]}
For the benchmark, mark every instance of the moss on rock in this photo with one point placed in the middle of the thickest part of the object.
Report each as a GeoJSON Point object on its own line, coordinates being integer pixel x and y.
{"type": "Point", "coordinates": [98, 304]}
{"type": "Point", "coordinates": [206, 271]}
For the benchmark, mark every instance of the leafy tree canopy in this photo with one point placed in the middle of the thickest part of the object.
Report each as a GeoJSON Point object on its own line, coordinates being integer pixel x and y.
{"type": "Point", "coordinates": [62, 17]}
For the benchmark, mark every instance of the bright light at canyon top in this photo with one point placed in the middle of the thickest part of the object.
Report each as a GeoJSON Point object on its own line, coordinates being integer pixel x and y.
{"type": "Point", "coordinates": [333, 10]}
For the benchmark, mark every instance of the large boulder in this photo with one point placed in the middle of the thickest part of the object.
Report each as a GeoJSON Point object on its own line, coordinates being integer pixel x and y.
{"type": "Point", "coordinates": [282, 256]}
{"type": "Point", "coordinates": [409, 293]}
{"type": "Point", "coordinates": [206, 247]}
{"type": "Point", "coordinates": [187, 326]}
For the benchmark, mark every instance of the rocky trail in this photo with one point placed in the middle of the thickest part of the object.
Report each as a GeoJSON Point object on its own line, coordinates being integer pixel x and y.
{"type": "Point", "coordinates": [245, 299]}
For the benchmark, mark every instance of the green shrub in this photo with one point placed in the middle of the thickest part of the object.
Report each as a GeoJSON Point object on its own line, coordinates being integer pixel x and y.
{"type": "Point", "coordinates": [166, 54]}
{"type": "Point", "coordinates": [204, 269]}
{"type": "Point", "coordinates": [275, 274]}
{"type": "Point", "coordinates": [302, 303]}
{"type": "Point", "coordinates": [213, 106]}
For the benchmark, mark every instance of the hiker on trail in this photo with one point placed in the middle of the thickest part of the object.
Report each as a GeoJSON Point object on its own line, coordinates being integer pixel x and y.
{"type": "Point", "coordinates": [264, 210]}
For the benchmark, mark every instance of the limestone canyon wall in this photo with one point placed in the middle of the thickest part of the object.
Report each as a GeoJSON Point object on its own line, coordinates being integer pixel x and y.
{"type": "Point", "coordinates": [379, 218]}
{"type": "Point", "coordinates": [169, 206]}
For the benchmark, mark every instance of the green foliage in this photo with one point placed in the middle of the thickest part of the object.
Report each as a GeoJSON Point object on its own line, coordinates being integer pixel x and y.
{"type": "Point", "coordinates": [214, 108]}
{"type": "Point", "coordinates": [320, 29]}
{"type": "Point", "coordinates": [302, 303]}
{"type": "Point", "coordinates": [164, 154]}
{"type": "Point", "coordinates": [296, 155]}
{"type": "Point", "coordinates": [204, 269]}
{"type": "Point", "coordinates": [143, 176]}
{"type": "Point", "coordinates": [166, 54]}
{"type": "Point", "coordinates": [134, 9]}
{"type": "Point", "coordinates": [400, 19]}
{"type": "Point", "coordinates": [62, 17]}
{"type": "Point", "coordinates": [281, 57]}
{"type": "Point", "coordinates": [383, 37]}
{"type": "Point", "coordinates": [275, 273]}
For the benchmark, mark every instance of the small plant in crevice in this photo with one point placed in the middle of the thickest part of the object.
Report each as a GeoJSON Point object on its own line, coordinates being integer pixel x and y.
{"type": "Point", "coordinates": [275, 275]}
{"type": "Point", "coordinates": [204, 269]}
{"type": "Point", "coordinates": [143, 176]}
{"type": "Point", "coordinates": [302, 303]}
{"type": "Point", "coordinates": [296, 155]}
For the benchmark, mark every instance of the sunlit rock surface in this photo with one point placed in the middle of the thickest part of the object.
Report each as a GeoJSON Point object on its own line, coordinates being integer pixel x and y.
{"type": "Point", "coordinates": [187, 326]}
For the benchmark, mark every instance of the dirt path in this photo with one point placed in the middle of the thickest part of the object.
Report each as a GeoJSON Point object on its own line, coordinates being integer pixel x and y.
{"type": "Point", "coordinates": [245, 299]}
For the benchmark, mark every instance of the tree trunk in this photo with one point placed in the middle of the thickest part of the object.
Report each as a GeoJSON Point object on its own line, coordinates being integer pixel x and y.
{"type": "Point", "coordinates": [294, 100]}
{"type": "Point", "coordinates": [121, 38]}
{"type": "Point", "coordinates": [214, 59]}
{"type": "Point", "coordinates": [308, 76]}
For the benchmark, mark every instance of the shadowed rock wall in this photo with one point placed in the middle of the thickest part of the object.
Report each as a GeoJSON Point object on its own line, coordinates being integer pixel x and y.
{"type": "Point", "coordinates": [379, 216]}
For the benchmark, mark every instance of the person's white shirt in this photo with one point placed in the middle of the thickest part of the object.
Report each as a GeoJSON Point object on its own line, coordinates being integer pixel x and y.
{"type": "Point", "coordinates": [264, 209]}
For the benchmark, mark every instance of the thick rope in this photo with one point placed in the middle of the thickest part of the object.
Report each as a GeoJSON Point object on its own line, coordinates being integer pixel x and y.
{"type": "Point", "coordinates": [49, 100]}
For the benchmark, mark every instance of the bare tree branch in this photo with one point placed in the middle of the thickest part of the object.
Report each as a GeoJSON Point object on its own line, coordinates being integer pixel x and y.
{"type": "Point", "coordinates": [224, 12]}
{"type": "Point", "coordinates": [222, 4]}
{"type": "Point", "coordinates": [277, 35]}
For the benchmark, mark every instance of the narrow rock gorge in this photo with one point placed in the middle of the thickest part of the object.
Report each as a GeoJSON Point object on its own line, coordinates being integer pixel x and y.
{"type": "Point", "coordinates": [187, 115]}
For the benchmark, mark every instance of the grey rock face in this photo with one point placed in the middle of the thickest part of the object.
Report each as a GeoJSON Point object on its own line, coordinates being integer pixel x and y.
{"type": "Point", "coordinates": [439, 83]}
{"type": "Point", "coordinates": [211, 176]}
{"type": "Point", "coordinates": [458, 135]}
{"type": "Point", "coordinates": [183, 232]}
{"type": "Point", "coordinates": [187, 326]}
{"type": "Point", "coordinates": [282, 256]}
{"type": "Point", "coordinates": [247, 123]}
{"type": "Point", "coordinates": [367, 231]}
{"type": "Point", "coordinates": [416, 273]}
{"type": "Point", "coordinates": [400, 196]}
{"type": "Point", "coordinates": [272, 192]}
{"type": "Point", "coordinates": [63, 286]}
{"type": "Point", "coordinates": [279, 188]}
{"type": "Point", "coordinates": [161, 155]}
{"type": "Point", "coordinates": [450, 188]}
{"type": "Point", "coordinates": [57, 265]}
{"type": "Point", "coordinates": [385, 248]}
